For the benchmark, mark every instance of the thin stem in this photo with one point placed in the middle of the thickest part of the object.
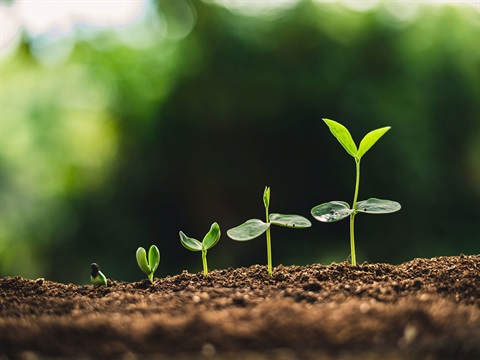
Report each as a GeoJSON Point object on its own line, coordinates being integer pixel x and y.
{"type": "Point", "coordinates": [204, 260]}
{"type": "Point", "coordinates": [357, 182]}
{"type": "Point", "coordinates": [352, 240]}
{"type": "Point", "coordinates": [352, 215]}
{"type": "Point", "coordinates": [269, 245]}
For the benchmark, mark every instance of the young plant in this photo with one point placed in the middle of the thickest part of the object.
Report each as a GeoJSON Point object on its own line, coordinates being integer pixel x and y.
{"type": "Point", "coordinates": [209, 241]}
{"type": "Point", "coordinates": [254, 227]}
{"type": "Point", "coordinates": [148, 267]}
{"type": "Point", "coordinates": [96, 276]}
{"type": "Point", "coordinates": [338, 210]}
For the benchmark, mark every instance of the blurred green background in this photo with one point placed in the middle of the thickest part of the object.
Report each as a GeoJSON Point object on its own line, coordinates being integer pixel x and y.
{"type": "Point", "coordinates": [114, 137]}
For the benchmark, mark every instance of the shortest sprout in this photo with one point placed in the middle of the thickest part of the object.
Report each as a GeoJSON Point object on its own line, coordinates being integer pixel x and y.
{"type": "Point", "coordinates": [148, 267]}
{"type": "Point", "coordinates": [96, 276]}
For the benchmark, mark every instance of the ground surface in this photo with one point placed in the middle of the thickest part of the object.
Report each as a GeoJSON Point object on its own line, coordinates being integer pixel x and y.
{"type": "Point", "coordinates": [422, 309]}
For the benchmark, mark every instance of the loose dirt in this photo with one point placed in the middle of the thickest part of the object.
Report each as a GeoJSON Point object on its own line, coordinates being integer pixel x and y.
{"type": "Point", "coordinates": [422, 309]}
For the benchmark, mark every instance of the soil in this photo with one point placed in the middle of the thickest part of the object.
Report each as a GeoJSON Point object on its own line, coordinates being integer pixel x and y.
{"type": "Point", "coordinates": [422, 309]}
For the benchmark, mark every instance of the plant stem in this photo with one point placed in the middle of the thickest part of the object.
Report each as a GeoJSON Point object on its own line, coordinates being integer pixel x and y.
{"type": "Point", "coordinates": [352, 240]}
{"type": "Point", "coordinates": [269, 245]}
{"type": "Point", "coordinates": [204, 260]}
{"type": "Point", "coordinates": [352, 215]}
{"type": "Point", "coordinates": [150, 277]}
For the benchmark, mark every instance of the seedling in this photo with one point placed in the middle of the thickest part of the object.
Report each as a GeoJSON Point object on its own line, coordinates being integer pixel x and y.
{"type": "Point", "coordinates": [96, 276]}
{"type": "Point", "coordinates": [148, 267]}
{"type": "Point", "coordinates": [209, 241]}
{"type": "Point", "coordinates": [338, 210]}
{"type": "Point", "coordinates": [254, 227]}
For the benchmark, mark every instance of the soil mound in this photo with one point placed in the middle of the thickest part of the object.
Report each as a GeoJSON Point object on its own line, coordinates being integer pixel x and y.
{"type": "Point", "coordinates": [425, 308]}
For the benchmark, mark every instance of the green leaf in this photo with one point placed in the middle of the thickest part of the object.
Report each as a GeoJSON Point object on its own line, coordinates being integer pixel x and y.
{"type": "Point", "coordinates": [291, 221]}
{"type": "Point", "coordinates": [266, 197]}
{"type": "Point", "coordinates": [370, 139]}
{"type": "Point", "coordinates": [153, 258]}
{"type": "Point", "coordinates": [331, 211]}
{"type": "Point", "coordinates": [212, 237]}
{"type": "Point", "coordinates": [343, 136]}
{"type": "Point", "coordinates": [190, 243]}
{"type": "Point", "coordinates": [142, 260]}
{"type": "Point", "coordinates": [377, 206]}
{"type": "Point", "coordinates": [248, 230]}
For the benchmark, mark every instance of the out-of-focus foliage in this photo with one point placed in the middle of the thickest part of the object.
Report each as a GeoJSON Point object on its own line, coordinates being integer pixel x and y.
{"type": "Point", "coordinates": [133, 138]}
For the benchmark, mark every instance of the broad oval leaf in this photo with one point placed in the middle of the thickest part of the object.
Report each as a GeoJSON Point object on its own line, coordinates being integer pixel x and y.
{"type": "Point", "coordinates": [331, 211]}
{"type": "Point", "coordinates": [370, 139]}
{"type": "Point", "coordinates": [248, 230]}
{"type": "Point", "coordinates": [377, 206]}
{"type": "Point", "coordinates": [343, 136]}
{"type": "Point", "coordinates": [142, 260]}
{"type": "Point", "coordinates": [153, 258]}
{"type": "Point", "coordinates": [212, 237]}
{"type": "Point", "coordinates": [291, 221]}
{"type": "Point", "coordinates": [190, 243]}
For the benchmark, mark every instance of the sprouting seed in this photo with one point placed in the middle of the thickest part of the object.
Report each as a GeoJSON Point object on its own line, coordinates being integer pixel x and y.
{"type": "Point", "coordinates": [96, 276]}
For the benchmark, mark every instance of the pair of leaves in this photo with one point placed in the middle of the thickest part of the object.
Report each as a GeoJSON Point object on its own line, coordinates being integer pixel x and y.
{"type": "Point", "coordinates": [338, 210]}
{"type": "Point", "coordinates": [254, 227]}
{"type": "Point", "coordinates": [209, 241]}
{"type": "Point", "coordinates": [148, 266]}
{"type": "Point", "coordinates": [345, 138]}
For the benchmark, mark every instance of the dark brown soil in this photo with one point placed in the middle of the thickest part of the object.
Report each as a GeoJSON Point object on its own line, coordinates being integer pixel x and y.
{"type": "Point", "coordinates": [425, 308]}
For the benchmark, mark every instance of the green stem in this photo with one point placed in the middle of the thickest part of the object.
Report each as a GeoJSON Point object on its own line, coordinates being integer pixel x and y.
{"type": "Point", "coordinates": [352, 240]}
{"type": "Point", "coordinates": [352, 215]}
{"type": "Point", "coordinates": [269, 245]}
{"type": "Point", "coordinates": [204, 260]}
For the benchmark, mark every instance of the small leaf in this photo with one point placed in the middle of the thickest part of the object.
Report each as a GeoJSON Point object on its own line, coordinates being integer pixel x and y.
{"type": "Point", "coordinates": [331, 211]}
{"type": "Point", "coordinates": [212, 237]}
{"type": "Point", "coordinates": [291, 221]}
{"type": "Point", "coordinates": [266, 197]}
{"type": "Point", "coordinates": [377, 206]}
{"type": "Point", "coordinates": [248, 230]}
{"type": "Point", "coordinates": [153, 258]}
{"type": "Point", "coordinates": [343, 136]}
{"type": "Point", "coordinates": [190, 243]}
{"type": "Point", "coordinates": [142, 260]}
{"type": "Point", "coordinates": [370, 139]}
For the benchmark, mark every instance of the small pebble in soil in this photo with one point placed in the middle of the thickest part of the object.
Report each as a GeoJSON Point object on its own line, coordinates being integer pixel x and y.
{"type": "Point", "coordinates": [208, 350]}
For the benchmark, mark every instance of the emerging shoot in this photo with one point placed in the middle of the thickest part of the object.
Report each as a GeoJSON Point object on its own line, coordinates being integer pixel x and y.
{"type": "Point", "coordinates": [338, 210]}
{"type": "Point", "coordinates": [254, 227]}
{"type": "Point", "coordinates": [148, 267]}
{"type": "Point", "coordinates": [96, 276]}
{"type": "Point", "coordinates": [209, 241]}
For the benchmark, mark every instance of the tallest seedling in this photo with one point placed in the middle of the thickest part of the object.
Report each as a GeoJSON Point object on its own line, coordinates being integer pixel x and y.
{"type": "Point", "coordinates": [338, 210]}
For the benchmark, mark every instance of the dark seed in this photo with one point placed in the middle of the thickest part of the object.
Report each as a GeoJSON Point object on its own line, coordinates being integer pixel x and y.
{"type": "Point", "coordinates": [95, 269]}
